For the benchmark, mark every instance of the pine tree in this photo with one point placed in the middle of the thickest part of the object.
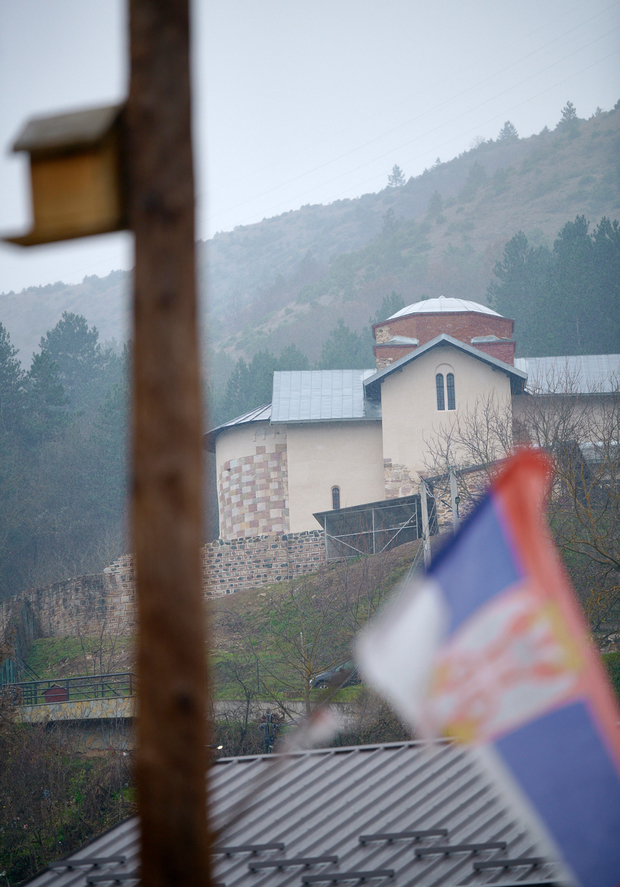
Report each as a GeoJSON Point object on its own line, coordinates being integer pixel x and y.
{"type": "Point", "coordinates": [397, 178]}
{"type": "Point", "coordinates": [508, 133]}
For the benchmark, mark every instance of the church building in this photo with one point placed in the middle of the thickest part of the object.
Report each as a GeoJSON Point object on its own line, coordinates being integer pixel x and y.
{"type": "Point", "coordinates": [340, 453]}
{"type": "Point", "coordinates": [335, 439]}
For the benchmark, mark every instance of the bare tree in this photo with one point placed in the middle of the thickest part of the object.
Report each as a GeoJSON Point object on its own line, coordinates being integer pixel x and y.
{"type": "Point", "coordinates": [582, 433]}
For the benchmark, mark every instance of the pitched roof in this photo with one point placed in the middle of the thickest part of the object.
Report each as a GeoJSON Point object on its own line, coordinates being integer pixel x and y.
{"type": "Point", "coordinates": [372, 383]}
{"type": "Point", "coordinates": [259, 414]}
{"type": "Point", "coordinates": [321, 396]}
{"type": "Point", "coordinates": [338, 807]}
{"type": "Point", "coordinates": [578, 374]}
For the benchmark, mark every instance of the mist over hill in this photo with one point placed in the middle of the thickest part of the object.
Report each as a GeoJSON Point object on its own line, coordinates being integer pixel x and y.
{"type": "Point", "coordinates": [286, 280]}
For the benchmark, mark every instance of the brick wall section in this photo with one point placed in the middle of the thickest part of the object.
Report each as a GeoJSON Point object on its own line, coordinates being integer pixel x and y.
{"type": "Point", "coordinates": [504, 350]}
{"type": "Point", "coordinates": [387, 354]}
{"type": "Point", "coordinates": [465, 326]}
{"type": "Point", "coordinates": [107, 600]}
{"type": "Point", "coordinates": [253, 494]}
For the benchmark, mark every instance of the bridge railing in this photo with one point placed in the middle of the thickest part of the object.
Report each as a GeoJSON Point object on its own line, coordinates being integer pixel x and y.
{"type": "Point", "coordinates": [100, 686]}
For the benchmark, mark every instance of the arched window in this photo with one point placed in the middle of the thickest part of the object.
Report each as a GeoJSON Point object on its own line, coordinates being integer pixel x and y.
{"type": "Point", "coordinates": [441, 401]}
{"type": "Point", "coordinates": [451, 394]}
{"type": "Point", "coordinates": [335, 498]}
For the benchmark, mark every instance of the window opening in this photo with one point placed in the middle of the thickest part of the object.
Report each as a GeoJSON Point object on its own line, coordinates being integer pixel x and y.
{"type": "Point", "coordinates": [451, 394]}
{"type": "Point", "coordinates": [441, 404]}
{"type": "Point", "coordinates": [335, 498]}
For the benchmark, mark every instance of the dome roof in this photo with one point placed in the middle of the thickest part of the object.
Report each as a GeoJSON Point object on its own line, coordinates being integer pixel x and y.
{"type": "Point", "coordinates": [443, 306]}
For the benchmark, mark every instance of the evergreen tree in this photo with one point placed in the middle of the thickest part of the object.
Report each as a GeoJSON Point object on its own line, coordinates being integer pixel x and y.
{"type": "Point", "coordinates": [396, 179]}
{"type": "Point", "coordinates": [435, 205]}
{"type": "Point", "coordinates": [389, 306]}
{"type": "Point", "coordinates": [46, 399]}
{"type": "Point", "coordinates": [12, 386]}
{"type": "Point", "coordinates": [508, 133]}
{"type": "Point", "coordinates": [569, 122]}
{"type": "Point", "coordinates": [345, 349]}
{"type": "Point", "coordinates": [84, 369]}
{"type": "Point", "coordinates": [523, 275]}
{"type": "Point", "coordinates": [565, 300]}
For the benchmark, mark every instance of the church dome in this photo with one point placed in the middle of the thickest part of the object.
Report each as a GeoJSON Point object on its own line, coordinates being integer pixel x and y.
{"type": "Point", "coordinates": [444, 305]}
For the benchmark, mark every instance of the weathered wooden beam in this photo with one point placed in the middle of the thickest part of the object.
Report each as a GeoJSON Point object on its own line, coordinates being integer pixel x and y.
{"type": "Point", "coordinates": [171, 760]}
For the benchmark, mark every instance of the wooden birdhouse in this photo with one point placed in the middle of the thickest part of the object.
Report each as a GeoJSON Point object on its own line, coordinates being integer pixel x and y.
{"type": "Point", "coordinates": [76, 174]}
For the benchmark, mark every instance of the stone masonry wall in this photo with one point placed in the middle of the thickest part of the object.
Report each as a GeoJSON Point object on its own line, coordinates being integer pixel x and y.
{"type": "Point", "coordinates": [107, 600]}
{"type": "Point", "coordinates": [398, 480]}
{"type": "Point", "coordinates": [83, 605]}
{"type": "Point", "coordinates": [253, 494]}
{"type": "Point", "coordinates": [230, 566]}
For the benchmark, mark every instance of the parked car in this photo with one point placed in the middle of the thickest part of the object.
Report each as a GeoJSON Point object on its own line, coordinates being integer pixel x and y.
{"type": "Point", "coordinates": [343, 675]}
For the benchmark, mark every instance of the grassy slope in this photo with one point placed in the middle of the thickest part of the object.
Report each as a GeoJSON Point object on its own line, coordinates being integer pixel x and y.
{"type": "Point", "coordinates": [251, 625]}
{"type": "Point", "coordinates": [257, 618]}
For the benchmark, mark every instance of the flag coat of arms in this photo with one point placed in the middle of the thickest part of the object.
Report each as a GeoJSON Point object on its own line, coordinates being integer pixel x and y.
{"type": "Point", "coordinates": [491, 647]}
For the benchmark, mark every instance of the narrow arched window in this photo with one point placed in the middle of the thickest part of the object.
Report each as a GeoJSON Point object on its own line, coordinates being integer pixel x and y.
{"type": "Point", "coordinates": [451, 394]}
{"type": "Point", "coordinates": [335, 498]}
{"type": "Point", "coordinates": [441, 402]}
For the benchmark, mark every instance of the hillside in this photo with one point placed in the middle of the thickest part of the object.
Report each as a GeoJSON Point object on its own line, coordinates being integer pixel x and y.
{"type": "Point", "coordinates": [288, 278]}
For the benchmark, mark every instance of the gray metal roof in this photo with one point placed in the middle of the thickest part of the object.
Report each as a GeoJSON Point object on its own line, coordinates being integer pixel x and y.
{"type": "Point", "coordinates": [583, 373]}
{"type": "Point", "coordinates": [398, 340]}
{"type": "Point", "coordinates": [342, 803]}
{"type": "Point", "coordinates": [260, 414]}
{"type": "Point", "coordinates": [372, 383]}
{"type": "Point", "coordinates": [321, 396]}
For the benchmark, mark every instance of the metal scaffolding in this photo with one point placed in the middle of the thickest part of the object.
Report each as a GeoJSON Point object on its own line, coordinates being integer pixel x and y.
{"type": "Point", "coordinates": [375, 526]}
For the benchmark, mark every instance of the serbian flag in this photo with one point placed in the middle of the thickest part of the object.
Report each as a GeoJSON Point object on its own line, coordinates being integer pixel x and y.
{"type": "Point", "coordinates": [491, 647]}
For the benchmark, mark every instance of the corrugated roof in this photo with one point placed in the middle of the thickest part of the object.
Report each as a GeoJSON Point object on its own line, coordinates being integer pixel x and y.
{"type": "Point", "coordinates": [321, 396]}
{"type": "Point", "coordinates": [582, 373]}
{"type": "Point", "coordinates": [443, 305]}
{"type": "Point", "coordinates": [342, 804]}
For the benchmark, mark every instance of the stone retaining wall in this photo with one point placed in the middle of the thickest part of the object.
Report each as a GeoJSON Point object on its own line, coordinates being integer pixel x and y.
{"type": "Point", "coordinates": [260, 560]}
{"type": "Point", "coordinates": [82, 709]}
{"type": "Point", "coordinates": [107, 601]}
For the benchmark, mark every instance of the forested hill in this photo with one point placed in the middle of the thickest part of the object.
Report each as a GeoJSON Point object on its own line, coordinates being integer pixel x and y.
{"type": "Point", "coordinates": [288, 279]}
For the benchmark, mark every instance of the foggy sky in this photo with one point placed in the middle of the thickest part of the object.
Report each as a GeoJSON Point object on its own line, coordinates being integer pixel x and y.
{"type": "Point", "coordinates": [299, 102]}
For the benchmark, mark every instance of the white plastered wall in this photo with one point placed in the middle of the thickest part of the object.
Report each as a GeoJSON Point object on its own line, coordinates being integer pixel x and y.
{"type": "Point", "coordinates": [323, 455]}
{"type": "Point", "coordinates": [409, 402]}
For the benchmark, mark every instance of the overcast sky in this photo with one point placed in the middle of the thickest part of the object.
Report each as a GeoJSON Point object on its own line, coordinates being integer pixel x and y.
{"type": "Point", "coordinates": [299, 102]}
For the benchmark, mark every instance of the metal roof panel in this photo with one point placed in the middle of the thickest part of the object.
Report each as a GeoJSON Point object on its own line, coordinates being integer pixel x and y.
{"type": "Point", "coordinates": [319, 803]}
{"type": "Point", "coordinates": [320, 395]}
{"type": "Point", "coordinates": [576, 374]}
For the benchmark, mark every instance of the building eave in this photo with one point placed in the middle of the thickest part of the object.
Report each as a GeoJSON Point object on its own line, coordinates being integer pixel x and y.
{"type": "Point", "coordinates": [373, 383]}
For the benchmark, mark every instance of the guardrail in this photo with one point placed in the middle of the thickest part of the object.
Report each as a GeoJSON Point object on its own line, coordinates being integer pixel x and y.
{"type": "Point", "coordinates": [100, 686]}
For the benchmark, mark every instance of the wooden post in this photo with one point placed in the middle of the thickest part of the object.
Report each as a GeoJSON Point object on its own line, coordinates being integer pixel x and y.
{"type": "Point", "coordinates": [171, 759]}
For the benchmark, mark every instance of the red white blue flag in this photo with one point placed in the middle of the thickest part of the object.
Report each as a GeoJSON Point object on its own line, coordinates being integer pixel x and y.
{"type": "Point", "coordinates": [491, 647]}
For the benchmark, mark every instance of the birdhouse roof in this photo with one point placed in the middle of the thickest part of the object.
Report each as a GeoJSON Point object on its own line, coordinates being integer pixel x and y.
{"type": "Point", "coordinates": [66, 132]}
